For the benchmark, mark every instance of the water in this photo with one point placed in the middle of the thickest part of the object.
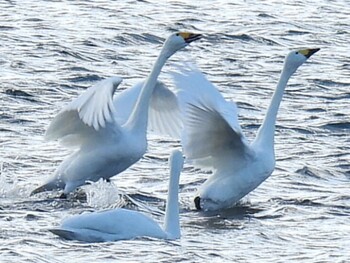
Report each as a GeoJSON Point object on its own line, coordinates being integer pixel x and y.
{"type": "Point", "coordinates": [50, 51]}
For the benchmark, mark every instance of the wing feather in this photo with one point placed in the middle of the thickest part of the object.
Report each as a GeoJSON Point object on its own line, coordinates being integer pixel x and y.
{"type": "Point", "coordinates": [164, 112]}
{"type": "Point", "coordinates": [85, 115]}
{"type": "Point", "coordinates": [211, 130]}
{"type": "Point", "coordinates": [124, 102]}
{"type": "Point", "coordinates": [164, 116]}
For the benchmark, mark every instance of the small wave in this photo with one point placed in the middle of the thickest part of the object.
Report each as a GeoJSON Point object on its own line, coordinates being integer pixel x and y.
{"type": "Point", "coordinates": [307, 171]}
{"type": "Point", "coordinates": [89, 43]}
{"type": "Point", "coordinates": [129, 38]}
{"type": "Point", "coordinates": [316, 110]}
{"type": "Point", "coordinates": [330, 83]}
{"type": "Point", "coordinates": [143, 197]}
{"type": "Point", "coordinates": [7, 28]}
{"type": "Point", "coordinates": [282, 202]}
{"type": "Point", "coordinates": [297, 32]}
{"type": "Point", "coordinates": [251, 38]}
{"type": "Point", "coordinates": [242, 37]}
{"type": "Point", "coordinates": [265, 15]}
{"type": "Point", "coordinates": [302, 131]}
{"type": "Point", "coordinates": [75, 68]}
{"type": "Point", "coordinates": [9, 187]}
{"type": "Point", "coordinates": [75, 54]}
{"type": "Point", "coordinates": [17, 93]}
{"type": "Point", "coordinates": [336, 126]}
{"type": "Point", "coordinates": [87, 78]}
{"type": "Point", "coordinates": [240, 211]}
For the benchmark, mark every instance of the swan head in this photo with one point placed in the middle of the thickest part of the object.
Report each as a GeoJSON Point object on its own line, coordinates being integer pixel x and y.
{"type": "Point", "coordinates": [179, 40]}
{"type": "Point", "coordinates": [297, 57]}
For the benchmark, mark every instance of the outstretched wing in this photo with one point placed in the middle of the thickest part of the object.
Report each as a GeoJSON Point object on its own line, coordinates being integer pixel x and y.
{"type": "Point", "coordinates": [164, 112]}
{"type": "Point", "coordinates": [124, 102]}
{"type": "Point", "coordinates": [212, 135]}
{"type": "Point", "coordinates": [86, 115]}
{"type": "Point", "coordinates": [164, 116]}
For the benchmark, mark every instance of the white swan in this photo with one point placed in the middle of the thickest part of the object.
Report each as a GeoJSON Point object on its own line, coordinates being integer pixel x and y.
{"type": "Point", "coordinates": [119, 224]}
{"type": "Point", "coordinates": [213, 139]}
{"type": "Point", "coordinates": [105, 145]}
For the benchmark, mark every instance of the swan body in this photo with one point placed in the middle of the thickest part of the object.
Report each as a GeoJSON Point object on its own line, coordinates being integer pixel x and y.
{"type": "Point", "coordinates": [107, 143]}
{"type": "Point", "coordinates": [213, 140]}
{"type": "Point", "coordinates": [122, 224]}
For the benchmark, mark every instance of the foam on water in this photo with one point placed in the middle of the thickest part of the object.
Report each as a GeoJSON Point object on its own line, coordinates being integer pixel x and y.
{"type": "Point", "coordinates": [8, 189]}
{"type": "Point", "coordinates": [103, 194]}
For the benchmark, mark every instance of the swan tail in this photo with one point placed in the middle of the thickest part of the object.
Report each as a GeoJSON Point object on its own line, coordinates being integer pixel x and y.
{"type": "Point", "coordinates": [85, 235]}
{"type": "Point", "coordinates": [66, 234]}
{"type": "Point", "coordinates": [52, 185]}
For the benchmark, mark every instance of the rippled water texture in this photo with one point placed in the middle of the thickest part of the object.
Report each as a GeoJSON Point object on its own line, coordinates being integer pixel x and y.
{"type": "Point", "coordinates": [51, 51]}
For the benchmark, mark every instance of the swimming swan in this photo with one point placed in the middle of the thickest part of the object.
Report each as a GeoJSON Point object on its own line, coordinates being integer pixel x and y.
{"type": "Point", "coordinates": [121, 224]}
{"type": "Point", "coordinates": [213, 138]}
{"type": "Point", "coordinates": [106, 147]}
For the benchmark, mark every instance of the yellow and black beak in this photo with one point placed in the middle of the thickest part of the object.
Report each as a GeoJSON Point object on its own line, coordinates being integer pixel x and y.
{"type": "Point", "coordinates": [309, 52]}
{"type": "Point", "coordinates": [190, 37]}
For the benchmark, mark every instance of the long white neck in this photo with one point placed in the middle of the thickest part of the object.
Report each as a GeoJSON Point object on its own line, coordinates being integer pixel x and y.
{"type": "Point", "coordinates": [138, 119]}
{"type": "Point", "coordinates": [172, 220]}
{"type": "Point", "coordinates": [266, 132]}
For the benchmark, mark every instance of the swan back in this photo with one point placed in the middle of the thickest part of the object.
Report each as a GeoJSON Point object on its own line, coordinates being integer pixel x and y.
{"type": "Point", "coordinates": [109, 225]}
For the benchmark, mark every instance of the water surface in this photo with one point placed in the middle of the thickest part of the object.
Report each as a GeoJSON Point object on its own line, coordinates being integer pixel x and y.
{"type": "Point", "coordinates": [51, 51]}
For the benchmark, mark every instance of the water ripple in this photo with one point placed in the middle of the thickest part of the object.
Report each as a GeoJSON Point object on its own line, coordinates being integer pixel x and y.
{"type": "Point", "coordinates": [51, 51]}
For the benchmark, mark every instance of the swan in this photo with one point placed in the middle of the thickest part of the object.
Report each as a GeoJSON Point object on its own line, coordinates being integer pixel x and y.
{"type": "Point", "coordinates": [213, 140]}
{"type": "Point", "coordinates": [90, 123]}
{"type": "Point", "coordinates": [121, 224]}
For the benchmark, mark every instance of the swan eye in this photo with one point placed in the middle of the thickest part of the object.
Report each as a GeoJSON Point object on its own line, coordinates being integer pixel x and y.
{"type": "Point", "coordinates": [296, 53]}
{"type": "Point", "coordinates": [177, 34]}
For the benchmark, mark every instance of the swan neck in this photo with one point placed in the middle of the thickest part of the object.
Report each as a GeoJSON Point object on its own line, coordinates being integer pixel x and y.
{"type": "Point", "coordinates": [172, 220]}
{"type": "Point", "coordinates": [139, 117]}
{"type": "Point", "coordinates": [266, 131]}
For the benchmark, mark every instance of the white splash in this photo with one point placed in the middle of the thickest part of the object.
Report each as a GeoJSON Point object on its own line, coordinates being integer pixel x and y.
{"type": "Point", "coordinates": [102, 194]}
{"type": "Point", "coordinates": [8, 187]}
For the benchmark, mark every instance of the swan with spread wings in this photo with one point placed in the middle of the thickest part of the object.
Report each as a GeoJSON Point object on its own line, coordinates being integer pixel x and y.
{"type": "Point", "coordinates": [213, 139]}
{"type": "Point", "coordinates": [107, 142]}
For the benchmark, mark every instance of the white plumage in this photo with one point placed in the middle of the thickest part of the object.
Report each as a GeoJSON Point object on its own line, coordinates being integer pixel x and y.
{"type": "Point", "coordinates": [213, 140]}
{"type": "Point", "coordinates": [120, 224]}
{"type": "Point", "coordinates": [163, 108]}
{"type": "Point", "coordinates": [107, 142]}
{"type": "Point", "coordinates": [81, 120]}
